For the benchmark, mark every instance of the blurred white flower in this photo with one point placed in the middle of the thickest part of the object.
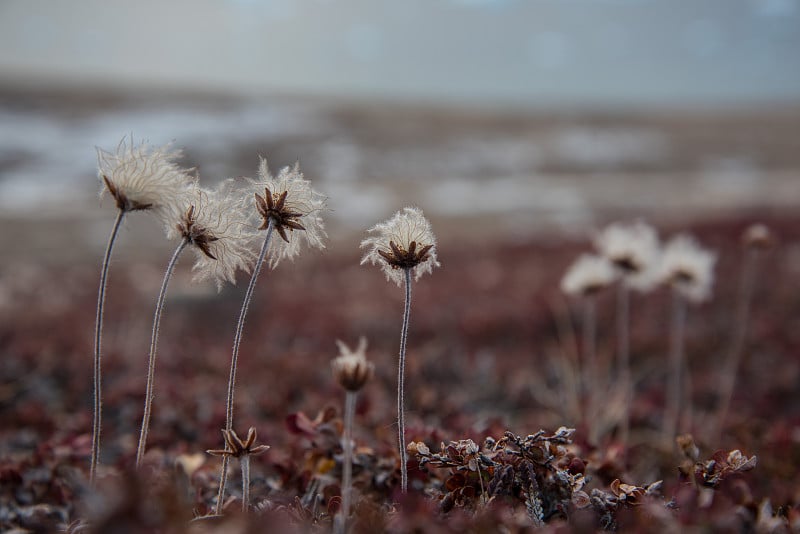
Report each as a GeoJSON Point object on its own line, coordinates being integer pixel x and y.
{"type": "Point", "coordinates": [688, 267]}
{"type": "Point", "coordinates": [351, 368]}
{"type": "Point", "coordinates": [293, 207]}
{"type": "Point", "coordinates": [403, 242]}
{"type": "Point", "coordinates": [140, 177]}
{"type": "Point", "coordinates": [588, 274]}
{"type": "Point", "coordinates": [216, 224]}
{"type": "Point", "coordinates": [633, 249]}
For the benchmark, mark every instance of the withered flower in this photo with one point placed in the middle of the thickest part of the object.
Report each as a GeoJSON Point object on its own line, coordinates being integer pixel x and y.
{"type": "Point", "coordinates": [237, 448]}
{"type": "Point", "coordinates": [404, 242]}
{"type": "Point", "coordinates": [351, 368]}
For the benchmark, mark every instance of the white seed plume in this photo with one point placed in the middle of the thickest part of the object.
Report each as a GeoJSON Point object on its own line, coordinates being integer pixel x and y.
{"type": "Point", "coordinates": [688, 267]}
{"type": "Point", "coordinates": [142, 177]}
{"type": "Point", "coordinates": [588, 274]}
{"type": "Point", "coordinates": [408, 230]}
{"type": "Point", "coordinates": [300, 199]}
{"type": "Point", "coordinates": [633, 249]}
{"type": "Point", "coordinates": [216, 222]}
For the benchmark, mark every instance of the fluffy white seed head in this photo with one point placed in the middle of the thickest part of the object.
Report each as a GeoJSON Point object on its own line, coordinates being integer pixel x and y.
{"type": "Point", "coordinates": [633, 249]}
{"type": "Point", "coordinates": [216, 223]}
{"type": "Point", "coordinates": [300, 199]}
{"type": "Point", "coordinates": [587, 275]}
{"type": "Point", "coordinates": [404, 241]}
{"type": "Point", "coordinates": [140, 177]}
{"type": "Point", "coordinates": [688, 267]}
{"type": "Point", "coordinates": [351, 368]}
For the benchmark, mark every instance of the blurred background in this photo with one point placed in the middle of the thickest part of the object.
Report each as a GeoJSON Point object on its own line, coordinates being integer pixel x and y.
{"type": "Point", "coordinates": [518, 117]}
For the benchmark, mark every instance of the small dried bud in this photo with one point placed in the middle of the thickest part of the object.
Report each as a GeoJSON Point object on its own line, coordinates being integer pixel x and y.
{"type": "Point", "coordinates": [687, 446]}
{"type": "Point", "coordinates": [758, 236]}
{"type": "Point", "coordinates": [351, 368]}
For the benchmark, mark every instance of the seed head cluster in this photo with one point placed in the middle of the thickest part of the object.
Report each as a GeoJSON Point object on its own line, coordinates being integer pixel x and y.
{"type": "Point", "coordinates": [403, 242]}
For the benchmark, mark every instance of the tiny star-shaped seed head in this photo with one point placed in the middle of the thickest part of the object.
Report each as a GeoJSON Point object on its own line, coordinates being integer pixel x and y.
{"type": "Point", "coordinates": [235, 447]}
{"type": "Point", "coordinates": [404, 242]}
{"type": "Point", "coordinates": [291, 206]}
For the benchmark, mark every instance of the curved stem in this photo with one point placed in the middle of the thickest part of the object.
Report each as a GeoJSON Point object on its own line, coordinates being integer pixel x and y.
{"type": "Point", "coordinates": [98, 338]}
{"type": "Point", "coordinates": [237, 340]}
{"type": "Point", "coordinates": [151, 364]}
{"type": "Point", "coordinates": [401, 418]}
{"type": "Point", "coordinates": [677, 328]}
{"type": "Point", "coordinates": [347, 468]}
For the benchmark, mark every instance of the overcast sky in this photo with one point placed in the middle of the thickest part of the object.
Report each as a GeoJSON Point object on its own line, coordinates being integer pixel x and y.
{"type": "Point", "coordinates": [491, 52]}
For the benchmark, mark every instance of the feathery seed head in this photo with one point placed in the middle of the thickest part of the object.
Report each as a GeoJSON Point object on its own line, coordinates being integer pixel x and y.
{"type": "Point", "coordinates": [403, 242]}
{"type": "Point", "coordinates": [688, 267]}
{"type": "Point", "coordinates": [633, 249]}
{"type": "Point", "coordinates": [351, 368]}
{"type": "Point", "coordinates": [216, 223]}
{"type": "Point", "coordinates": [140, 177]}
{"type": "Point", "coordinates": [589, 274]}
{"type": "Point", "coordinates": [293, 208]}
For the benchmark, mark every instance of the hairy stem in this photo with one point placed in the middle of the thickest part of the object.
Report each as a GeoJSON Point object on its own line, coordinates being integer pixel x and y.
{"type": "Point", "coordinates": [98, 338]}
{"type": "Point", "coordinates": [244, 462]}
{"type": "Point", "coordinates": [677, 334]}
{"type": "Point", "coordinates": [401, 417]}
{"type": "Point", "coordinates": [151, 365]}
{"type": "Point", "coordinates": [738, 341]}
{"type": "Point", "coordinates": [237, 340]}
{"type": "Point", "coordinates": [347, 467]}
{"type": "Point", "coordinates": [623, 358]}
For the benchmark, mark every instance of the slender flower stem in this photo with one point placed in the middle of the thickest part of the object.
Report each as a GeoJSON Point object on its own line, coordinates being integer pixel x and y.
{"type": "Point", "coordinates": [731, 366]}
{"type": "Point", "coordinates": [591, 379]}
{"type": "Point", "coordinates": [98, 337]}
{"type": "Point", "coordinates": [347, 468]}
{"type": "Point", "coordinates": [237, 339]}
{"type": "Point", "coordinates": [677, 333]}
{"type": "Point", "coordinates": [151, 365]}
{"type": "Point", "coordinates": [244, 462]}
{"type": "Point", "coordinates": [401, 417]}
{"type": "Point", "coordinates": [623, 358]}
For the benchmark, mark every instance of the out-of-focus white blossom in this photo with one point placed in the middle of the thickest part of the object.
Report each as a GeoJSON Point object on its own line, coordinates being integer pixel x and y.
{"type": "Point", "coordinates": [140, 177]}
{"type": "Point", "coordinates": [351, 368]}
{"type": "Point", "coordinates": [589, 274]}
{"type": "Point", "coordinates": [633, 249]}
{"type": "Point", "coordinates": [403, 242]}
{"type": "Point", "coordinates": [688, 267]}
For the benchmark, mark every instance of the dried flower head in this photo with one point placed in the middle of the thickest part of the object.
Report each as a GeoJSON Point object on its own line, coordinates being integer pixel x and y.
{"type": "Point", "coordinates": [140, 177]}
{"type": "Point", "coordinates": [633, 249]}
{"type": "Point", "coordinates": [216, 223]}
{"type": "Point", "coordinates": [588, 275]}
{"type": "Point", "coordinates": [758, 236]}
{"type": "Point", "coordinates": [236, 447]}
{"type": "Point", "coordinates": [688, 267]}
{"type": "Point", "coordinates": [293, 208]}
{"type": "Point", "coordinates": [403, 242]}
{"type": "Point", "coordinates": [351, 368]}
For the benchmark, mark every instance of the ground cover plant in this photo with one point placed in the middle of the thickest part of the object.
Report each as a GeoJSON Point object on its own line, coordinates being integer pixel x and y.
{"type": "Point", "coordinates": [513, 421]}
